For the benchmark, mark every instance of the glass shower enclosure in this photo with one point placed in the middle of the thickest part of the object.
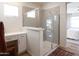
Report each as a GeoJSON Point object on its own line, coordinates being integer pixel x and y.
{"type": "Point", "coordinates": [47, 20]}
{"type": "Point", "coordinates": [50, 22]}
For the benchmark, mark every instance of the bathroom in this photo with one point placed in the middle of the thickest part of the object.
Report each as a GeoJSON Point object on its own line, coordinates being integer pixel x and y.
{"type": "Point", "coordinates": [39, 27]}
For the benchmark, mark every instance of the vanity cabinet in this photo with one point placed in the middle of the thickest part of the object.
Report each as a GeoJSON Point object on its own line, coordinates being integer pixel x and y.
{"type": "Point", "coordinates": [21, 43]}
{"type": "Point", "coordinates": [21, 38]}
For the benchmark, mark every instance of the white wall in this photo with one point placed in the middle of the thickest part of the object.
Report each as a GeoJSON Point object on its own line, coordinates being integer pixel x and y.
{"type": "Point", "coordinates": [63, 24]}
{"type": "Point", "coordinates": [11, 24]}
{"type": "Point", "coordinates": [14, 24]}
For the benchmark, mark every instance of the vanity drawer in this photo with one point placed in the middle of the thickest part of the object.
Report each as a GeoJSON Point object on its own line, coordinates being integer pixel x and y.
{"type": "Point", "coordinates": [23, 36]}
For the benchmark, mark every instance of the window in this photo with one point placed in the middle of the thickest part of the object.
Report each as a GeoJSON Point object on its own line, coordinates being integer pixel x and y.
{"type": "Point", "coordinates": [31, 14]}
{"type": "Point", "coordinates": [74, 22]}
{"type": "Point", "coordinates": [10, 10]}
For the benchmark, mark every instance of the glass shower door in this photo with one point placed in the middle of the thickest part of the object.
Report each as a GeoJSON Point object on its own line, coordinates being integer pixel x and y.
{"type": "Point", "coordinates": [50, 23]}
{"type": "Point", "coordinates": [55, 40]}
{"type": "Point", "coordinates": [49, 30]}
{"type": "Point", "coordinates": [48, 34]}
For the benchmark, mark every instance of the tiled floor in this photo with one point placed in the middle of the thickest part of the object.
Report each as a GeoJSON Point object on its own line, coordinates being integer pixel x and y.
{"type": "Point", "coordinates": [61, 52]}
{"type": "Point", "coordinates": [71, 49]}
{"type": "Point", "coordinates": [58, 52]}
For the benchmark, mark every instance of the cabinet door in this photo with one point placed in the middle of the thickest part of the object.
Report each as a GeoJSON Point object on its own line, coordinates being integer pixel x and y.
{"type": "Point", "coordinates": [22, 43]}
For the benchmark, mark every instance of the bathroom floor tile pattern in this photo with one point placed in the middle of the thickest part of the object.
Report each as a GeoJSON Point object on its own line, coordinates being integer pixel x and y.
{"type": "Point", "coordinates": [61, 52]}
{"type": "Point", "coordinates": [58, 52]}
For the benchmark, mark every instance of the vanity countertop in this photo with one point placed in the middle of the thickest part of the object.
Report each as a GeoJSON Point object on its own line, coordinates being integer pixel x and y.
{"type": "Point", "coordinates": [24, 31]}
{"type": "Point", "coordinates": [9, 36]}
{"type": "Point", "coordinates": [15, 33]}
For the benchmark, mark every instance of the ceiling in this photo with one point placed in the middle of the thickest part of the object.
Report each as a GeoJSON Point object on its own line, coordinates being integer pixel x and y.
{"type": "Point", "coordinates": [43, 3]}
{"type": "Point", "coordinates": [47, 4]}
